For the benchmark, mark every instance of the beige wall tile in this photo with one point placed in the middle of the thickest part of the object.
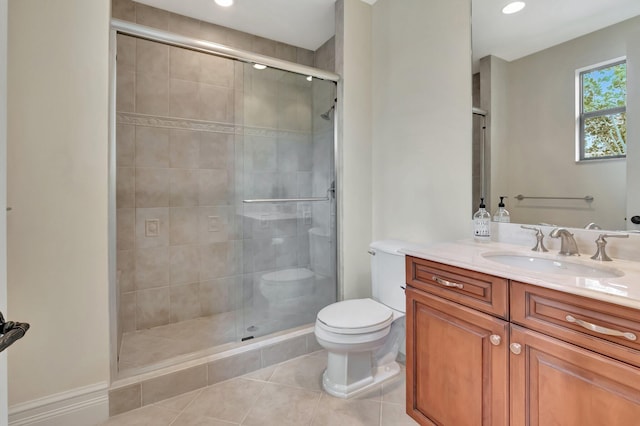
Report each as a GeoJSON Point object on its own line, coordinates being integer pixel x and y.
{"type": "Point", "coordinates": [184, 148]}
{"type": "Point", "coordinates": [152, 58]}
{"type": "Point", "coordinates": [183, 225]}
{"type": "Point", "coordinates": [184, 187]}
{"type": "Point", "coordinates": [185, 302]}
{"type": "Point", "coordinates": [184, 99]}
{"type": "Point", "coordinates": [170, 385]}
{"type": "Point", "coordinates": [123, 9]}
{"type": "Point", "coordinates": [152, 308]}
{"type": "Point", "coordinates": [233, 366]}
{"type": "Point", "coordinates": [124, 399]}
{"type": "Point", "coordinates": [216, 151]}
{"type": "Point", "coordinates": [221, 295]}
{"type": "Point", "coordinates": [152, 268]}
{"type": "Point", "coordinates": [214, 33]}
{"type": "Point", "coordinates": [216, 103]}
{"type": "Point", "coordinates": [264, 46]}
{"type": "Point", "coordinates": [125, 187]}
{"type": "Point", "coordinates": [286, 52]}
{"type": "Point", "coordinates": [185, 264]}
{"type": "Point", "coordinates": [152, 147]}
{"type": "Point", "coordinates": [240, 40]}
{"type": "Point", "coordinates": [304, 56]}
{"type": "Point", "coordinates": [128, 311]}
{"type": "Point", "coordinates": [125, 228]}
{"type": "Point", "coordinates": [185, 64]}
{"type": "Point", "coordinates": [152, 94]}
{"type": "Point", "coordinates": [125, 265]}
{"type": "Point", "coordinates": [152, 17]}
{"type": "Point", "coordinates": [125, 145]}
{"type": "Point", "coordinates": [152, 187]}
{"type": "Point", "coordinates": [126, 52]}
{"type": "Point", "coordinates": [152, 227]}
{"type": "Point", "coordinates": [125, 90]}
{"type": "Point", "coordinates": [184, 25]}
{"type": "Point", "coordinates": [214, 187]}
{"type": "Point", "coordinates": [220, 260]}
{"type": "Point", "coordinates": [283, 351]}
{"type": "Point", "coordinates": [216, 70]}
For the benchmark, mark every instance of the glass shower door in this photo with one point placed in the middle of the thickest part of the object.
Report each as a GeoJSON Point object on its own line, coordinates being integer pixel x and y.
{"type": "Point", "coordinates": [286, 178]}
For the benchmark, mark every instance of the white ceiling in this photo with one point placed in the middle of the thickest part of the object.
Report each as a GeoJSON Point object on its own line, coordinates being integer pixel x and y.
{"type": "Point", "coordinates": [541, 24]}
{"type": "Point", "coordinates": [309, 23]}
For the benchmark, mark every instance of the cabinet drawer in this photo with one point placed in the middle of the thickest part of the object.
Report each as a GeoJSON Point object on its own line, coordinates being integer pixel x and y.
{"type": "Point", "coordinates": [586, 322]}
{"type": "Point", "coordinates": [476, 290]}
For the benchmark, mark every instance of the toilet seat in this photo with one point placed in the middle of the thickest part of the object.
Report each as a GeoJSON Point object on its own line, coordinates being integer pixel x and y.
{"type": "Point", "coordinates": [355, 316]}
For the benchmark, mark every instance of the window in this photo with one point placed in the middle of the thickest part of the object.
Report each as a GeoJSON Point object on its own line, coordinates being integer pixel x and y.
{"type": "Point", "coordinates": [602, 112]}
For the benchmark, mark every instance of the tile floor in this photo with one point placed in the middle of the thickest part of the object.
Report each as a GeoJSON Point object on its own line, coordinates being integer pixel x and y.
{"type": "Point", "coordinates": [285, 394]}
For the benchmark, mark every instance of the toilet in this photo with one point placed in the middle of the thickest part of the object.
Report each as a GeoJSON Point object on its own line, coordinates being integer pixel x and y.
{"type": "Point", "coordinates": [363, 336]}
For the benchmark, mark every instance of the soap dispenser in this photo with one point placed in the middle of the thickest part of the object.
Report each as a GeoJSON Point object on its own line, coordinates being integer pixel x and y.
{"type": "Point", "coordinates": [501, 215]}
{"type": "Point", "coordinates": [482, 224]}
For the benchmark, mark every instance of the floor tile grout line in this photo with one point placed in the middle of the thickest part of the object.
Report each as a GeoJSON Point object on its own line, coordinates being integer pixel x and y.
{"type": "Point", "coordinates": [264, 386]}
{"type": "Point", "coordinates": [314, 413]}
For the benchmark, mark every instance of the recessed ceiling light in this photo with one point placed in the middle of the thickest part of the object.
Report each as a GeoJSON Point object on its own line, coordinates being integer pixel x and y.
{"type": "Point", "coordinates": [224, 3]}
{"type": "Point", "coordinates": [513, 7]}
{"type": "Point", "coordinates": [259, 66]}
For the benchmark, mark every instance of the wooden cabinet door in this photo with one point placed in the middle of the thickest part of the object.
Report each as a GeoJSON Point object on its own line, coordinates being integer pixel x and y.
{"type": "Point", "coordinates": [557, 383]}
{"type": "Point", "coordinates": [457, 364]}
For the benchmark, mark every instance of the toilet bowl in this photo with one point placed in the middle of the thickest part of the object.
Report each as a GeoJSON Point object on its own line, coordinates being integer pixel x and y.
{"type": "Point", "coordinates": [363, 336]}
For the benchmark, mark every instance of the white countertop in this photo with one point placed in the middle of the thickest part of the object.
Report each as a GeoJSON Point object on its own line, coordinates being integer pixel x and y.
{"type": "Point", "coordinates": [468, 254]}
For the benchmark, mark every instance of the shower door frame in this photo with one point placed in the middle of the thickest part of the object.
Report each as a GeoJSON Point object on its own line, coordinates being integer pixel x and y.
{"type": "Point", "coordinates": [140, 31]}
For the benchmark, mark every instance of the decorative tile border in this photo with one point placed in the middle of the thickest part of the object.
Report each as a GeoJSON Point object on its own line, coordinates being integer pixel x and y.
{"type": "Point", "coordinates": [203, 126]}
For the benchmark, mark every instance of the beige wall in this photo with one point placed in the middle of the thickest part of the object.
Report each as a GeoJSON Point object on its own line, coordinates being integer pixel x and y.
{"type": "Point", "coordinates": [633, 127]}
{"type": "Point", "coordinates": [57, 186]}
{"type": "Point", "coordinates": [421, 120]}
{"type": "Point", "coordinates": [353, 62]}
{"type": "Point", "coordinates": [541, 130]}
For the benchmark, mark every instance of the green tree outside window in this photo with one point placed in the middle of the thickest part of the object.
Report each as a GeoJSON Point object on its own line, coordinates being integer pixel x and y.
{"type": "Point", "coordinates": [603, 119]}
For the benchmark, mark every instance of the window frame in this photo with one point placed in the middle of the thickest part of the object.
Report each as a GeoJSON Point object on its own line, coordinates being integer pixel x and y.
{"type": "Point", "coordinates": [582, 116]}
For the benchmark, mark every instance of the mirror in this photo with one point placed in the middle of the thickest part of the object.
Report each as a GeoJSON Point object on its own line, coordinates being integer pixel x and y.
{"type": "Point", "coordinates": [525, 81]}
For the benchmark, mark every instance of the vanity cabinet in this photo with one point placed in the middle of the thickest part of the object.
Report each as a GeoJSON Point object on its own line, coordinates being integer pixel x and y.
{"type": "Point", "coordinates": [457, 347]}
{"type": "Point", "coordinates": [508, 354]}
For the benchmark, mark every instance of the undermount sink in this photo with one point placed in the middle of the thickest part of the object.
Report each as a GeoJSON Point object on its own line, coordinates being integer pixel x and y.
{"type": "Point", "coordinates": [553, 265]}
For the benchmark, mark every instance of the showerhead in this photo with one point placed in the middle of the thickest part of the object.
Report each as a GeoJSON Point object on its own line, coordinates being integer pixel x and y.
{"type": "Point", "coordinates": [327, 115]}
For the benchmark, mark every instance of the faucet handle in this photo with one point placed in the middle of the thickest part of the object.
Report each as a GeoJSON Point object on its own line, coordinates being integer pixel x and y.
{"type": "Point", "coordinates": [539, 236]}
{"type": "Point", "coordinates": [601, 254]}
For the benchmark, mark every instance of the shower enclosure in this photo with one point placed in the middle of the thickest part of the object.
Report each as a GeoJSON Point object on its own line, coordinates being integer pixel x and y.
{"type": "Point", "coordinates": [225, 201]}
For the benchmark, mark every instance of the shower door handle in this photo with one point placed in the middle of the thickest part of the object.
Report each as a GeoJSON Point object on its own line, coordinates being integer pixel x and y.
{"type": "Point", "coordinates": [285, 200]}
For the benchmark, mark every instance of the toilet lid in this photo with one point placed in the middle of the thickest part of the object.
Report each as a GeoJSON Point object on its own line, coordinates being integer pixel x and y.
{"type": "Point", "coordinates": [364, 315]}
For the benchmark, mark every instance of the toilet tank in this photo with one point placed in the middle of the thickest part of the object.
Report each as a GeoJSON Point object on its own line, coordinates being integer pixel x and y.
{"type": "Point", "coordinates": [388, 273]}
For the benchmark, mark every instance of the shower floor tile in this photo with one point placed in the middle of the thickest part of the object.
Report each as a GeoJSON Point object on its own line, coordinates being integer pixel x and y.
{"type": "Point", "coordinates": [286, 394]}
{"type": "Point", "coordinates": [146, 347]}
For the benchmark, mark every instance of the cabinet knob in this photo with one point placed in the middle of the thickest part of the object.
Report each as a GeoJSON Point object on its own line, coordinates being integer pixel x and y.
{"type": "Point", "coordinates": [495, 339]}
{"type": "Point", "coordinates": [516, 348]}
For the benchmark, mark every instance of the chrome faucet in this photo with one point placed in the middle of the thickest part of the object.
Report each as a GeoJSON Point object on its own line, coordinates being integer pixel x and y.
{"type": "Point", "coordinates": [539, 238]}
{"type": "Point", "coordinates": [568, 246]}
{"type": "Point", "coordinates": [601, 254]}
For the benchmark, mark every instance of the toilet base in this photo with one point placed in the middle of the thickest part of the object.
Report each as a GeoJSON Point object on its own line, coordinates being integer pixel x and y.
{"type": "Point", "coordinates": [379, 375]}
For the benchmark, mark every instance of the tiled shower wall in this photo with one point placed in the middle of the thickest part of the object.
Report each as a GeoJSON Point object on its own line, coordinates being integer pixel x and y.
{"type": "Point", "coordinates": [188, 126]}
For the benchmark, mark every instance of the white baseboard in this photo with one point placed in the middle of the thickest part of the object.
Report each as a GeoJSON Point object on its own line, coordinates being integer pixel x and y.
{"type": "Point", "coordinates": [85, 406]}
